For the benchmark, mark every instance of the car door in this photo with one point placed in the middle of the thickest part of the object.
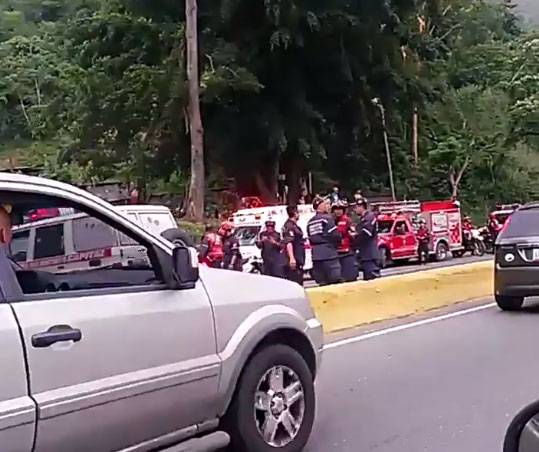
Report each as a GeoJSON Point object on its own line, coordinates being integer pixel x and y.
{"type": "Point", "coordinates": [117, 359]}
{"type": "Point", "coordinates": [397, 240]}
{"type": "Point", "coordinates": [17, 409]}
{"type": "Point", "coordinates": [410, 241]}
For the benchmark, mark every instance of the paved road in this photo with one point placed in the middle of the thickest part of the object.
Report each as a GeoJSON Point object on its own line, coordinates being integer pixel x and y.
{"type": "Point", "coordinates": [414, 267]}
{"type": "Point", "coordinates": [448, 386]}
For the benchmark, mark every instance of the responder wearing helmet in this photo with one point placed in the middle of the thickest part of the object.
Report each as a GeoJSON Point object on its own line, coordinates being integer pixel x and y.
{"type": "Point", "coordinates": [232, 259]}
{"type": "Point", "coordinates": [367, 240]}
{"type": "Point", "coordinates": [211, 250]}
{"type": "Point", "coordinates": [423, 240]}
{"type": "Point", "coordinates": [270, 243]}
{"type": "Point", "coordinates": [324, 238]}
{"type": "Point", "coordinates": [345, 249]}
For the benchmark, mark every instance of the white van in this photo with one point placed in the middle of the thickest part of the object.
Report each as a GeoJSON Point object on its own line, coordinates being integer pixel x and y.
{"type": "Point", "coordinates": [249, 223]}
{"type": "Point", "coordinates": [74, 241]}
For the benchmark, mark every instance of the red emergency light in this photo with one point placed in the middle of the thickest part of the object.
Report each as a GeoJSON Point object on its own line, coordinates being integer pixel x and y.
{"type": "Point", "coordinates": [42, 214]}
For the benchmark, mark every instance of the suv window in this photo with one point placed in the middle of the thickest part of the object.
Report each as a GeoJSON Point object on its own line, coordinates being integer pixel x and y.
{"type": "Point", "coordinates": [92, 234]}
{"type": "Point", "coordinates": [384, 227]}
{"type": "Point", "coordinates": [19, 246]}
{"type": "Point", "coordinates": [80, 253]}
{"type": "Point", "coordinates": [247, 235]}
{"type": "Point", "coordinates": [49, 241]}
{"type": "Point", "coordinates": [401, 227]}
{"type": "Point", "coordinates": [523, 223]}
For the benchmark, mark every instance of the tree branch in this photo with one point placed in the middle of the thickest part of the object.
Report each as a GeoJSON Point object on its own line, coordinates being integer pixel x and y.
{"type": "Point", "coordinates": [24, 112]}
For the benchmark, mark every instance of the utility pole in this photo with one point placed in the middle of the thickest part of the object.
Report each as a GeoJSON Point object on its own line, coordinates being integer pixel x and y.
{"type": "Point", "coordinates": [379, 104]}
{"type": "Point", "coordinates": [195, 203]}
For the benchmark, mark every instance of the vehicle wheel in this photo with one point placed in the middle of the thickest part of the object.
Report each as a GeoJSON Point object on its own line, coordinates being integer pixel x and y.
{"type": "Point", "coordinates": [479, 248]}
{"type": "Point", "coordinates": [274, 405]}
{"type": "Point", "coordinates": [178, 237]}
{"type": "Point", "coordinates": [442, 252]}
{"type": "Point", "coordinates": [385, 259]}
{"type": "Point", "coordinates": [506, 303]}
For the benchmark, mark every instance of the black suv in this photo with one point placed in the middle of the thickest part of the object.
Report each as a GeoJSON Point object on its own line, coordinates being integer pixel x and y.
{"type": "Point", "coordinates": [517, 259]}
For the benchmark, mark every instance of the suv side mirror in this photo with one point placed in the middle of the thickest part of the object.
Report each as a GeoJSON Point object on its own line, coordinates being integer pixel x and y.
{"type": "Point", "coordinates": [185, 264]}
{"type": "Point", "coordinates": [523, 432]}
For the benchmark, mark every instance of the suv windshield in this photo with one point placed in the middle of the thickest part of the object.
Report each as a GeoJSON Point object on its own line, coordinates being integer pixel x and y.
{"type": "Point", "coordinates": [523, 223]}
{"type": "Point", "coordinates": [384, 227]}
{"type": "Point", "coordinates": [247, 235]}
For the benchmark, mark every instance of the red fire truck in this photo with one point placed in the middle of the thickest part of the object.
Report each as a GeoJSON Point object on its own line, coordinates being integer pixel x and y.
{"type": "Point", "coordinates": [397, 224]}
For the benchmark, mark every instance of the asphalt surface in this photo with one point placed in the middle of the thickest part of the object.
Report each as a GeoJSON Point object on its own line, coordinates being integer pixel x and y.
{"type": "Point", "coordinates": [447, 386]}
{"type": "Point", "coordinates": [414, 266]}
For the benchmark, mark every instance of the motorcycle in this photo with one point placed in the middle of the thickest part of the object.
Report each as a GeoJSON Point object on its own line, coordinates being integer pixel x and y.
{"type": "Point", "coordinates": [488, 240]}
{"type": "Point", "coordinates": [475, 243]}
{"type": "Point", "coordinates": [253, 265]}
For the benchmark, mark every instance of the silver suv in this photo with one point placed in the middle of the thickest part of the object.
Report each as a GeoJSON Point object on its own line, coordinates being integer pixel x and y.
{"type": "Point", "coordinates": [103, 352]}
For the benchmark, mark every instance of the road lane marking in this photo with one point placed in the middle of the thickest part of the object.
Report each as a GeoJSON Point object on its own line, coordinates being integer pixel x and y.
{"type": "Point", "coordinates": [407, 326]}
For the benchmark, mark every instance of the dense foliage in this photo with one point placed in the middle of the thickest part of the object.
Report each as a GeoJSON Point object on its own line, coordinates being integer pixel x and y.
{"type": "Point", "coordinates": [94, 89]}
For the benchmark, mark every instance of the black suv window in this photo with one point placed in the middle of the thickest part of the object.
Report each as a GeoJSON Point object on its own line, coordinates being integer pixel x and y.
{"type": "Point", "coordinates": [523, 223]}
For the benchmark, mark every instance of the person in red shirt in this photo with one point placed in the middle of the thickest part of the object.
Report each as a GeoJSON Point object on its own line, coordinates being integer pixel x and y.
{"type": "Point", "coordinates": [423, 238]}
{"type": "Point", "coordinates": [345, 248]}
{"type": "Point", "coordinates": [494, 226]}
{"type": "Point", "coordinates": [211, 251]}
{"type": "Point", "coordinates": [467, 223]}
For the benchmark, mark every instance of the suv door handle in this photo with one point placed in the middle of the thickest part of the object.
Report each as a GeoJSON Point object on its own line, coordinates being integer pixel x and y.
{"type": "Point", "coordinates": [56, 333]}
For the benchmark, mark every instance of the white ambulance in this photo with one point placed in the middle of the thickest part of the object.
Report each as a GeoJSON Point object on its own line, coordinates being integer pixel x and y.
{"type": "Point", "coordinates": [65, 241]}
{"type": "Point", "coordinates": [249, 223]}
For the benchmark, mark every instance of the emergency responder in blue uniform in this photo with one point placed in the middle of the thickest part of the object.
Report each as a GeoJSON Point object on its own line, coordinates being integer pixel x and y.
{"type": "Point", "coordinates": [367, 241]}
{"type": "Point", "coordinates": [232, 259]}
{"type": "Point", "coordinates": [324, 238]}
{"type": "Point", "coordinates": [294, 246]}
{"type": "Point", "coordinates": [270, 243]}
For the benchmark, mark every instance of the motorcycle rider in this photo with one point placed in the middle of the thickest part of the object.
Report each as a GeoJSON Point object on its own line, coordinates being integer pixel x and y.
{"type": "Point", "coordinates": [423, 238]}
{"type": "Point", "coordinates": [494, 227]}
{"type": "Point", "coordinates": [211, 250]}
{"type": "Point", "coordinates": [347, 258]}
{"type": "Point", "coordinates": [269, 242]}
{"type": "Point", "coordinates": [294, 246]}
{"type": "Point", "coordinates": [232, 259]}
{"type": "Point", "coordinates": [324, 238]}
{"type": "Point", "coordinates": [367, 239]}
{"type": "Point", "coordinates": [467, 235]}
{"type": "Point", "coordinates": [467, 224]}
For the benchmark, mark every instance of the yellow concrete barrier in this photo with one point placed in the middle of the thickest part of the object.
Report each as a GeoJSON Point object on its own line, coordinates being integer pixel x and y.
{"type": "Point", "coordinates": [348, 305]}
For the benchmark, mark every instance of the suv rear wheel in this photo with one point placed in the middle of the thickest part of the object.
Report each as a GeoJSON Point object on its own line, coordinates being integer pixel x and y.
{"type": "Point", "coordinates": [274, 405]}
{"type": "Point", "coordinates": [506, 303]}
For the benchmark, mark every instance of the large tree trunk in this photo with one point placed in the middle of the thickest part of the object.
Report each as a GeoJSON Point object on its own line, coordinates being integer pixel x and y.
{"type": "Point", "coordinates": [195, 203]}
{"type": "Point", "coordinates": [455, 176]}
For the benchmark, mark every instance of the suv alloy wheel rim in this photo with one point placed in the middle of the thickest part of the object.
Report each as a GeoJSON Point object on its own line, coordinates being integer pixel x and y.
{"type": "Point", "coordinates": [279, 406]}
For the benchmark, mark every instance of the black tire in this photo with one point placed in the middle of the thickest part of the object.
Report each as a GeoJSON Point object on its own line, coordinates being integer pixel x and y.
{"type": "Point", "coordinates": [506, 303]}
{"type": "Point", "coordinates": [479, 248]}
{"type": "Point", "coordinates": [178, 237]}
{"type": "Point", "coordinates": [442, 252]}
{"type": "Point", "coordinates": [241, 424]}
{"type": "Point", "coordinates": [385, 258]}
